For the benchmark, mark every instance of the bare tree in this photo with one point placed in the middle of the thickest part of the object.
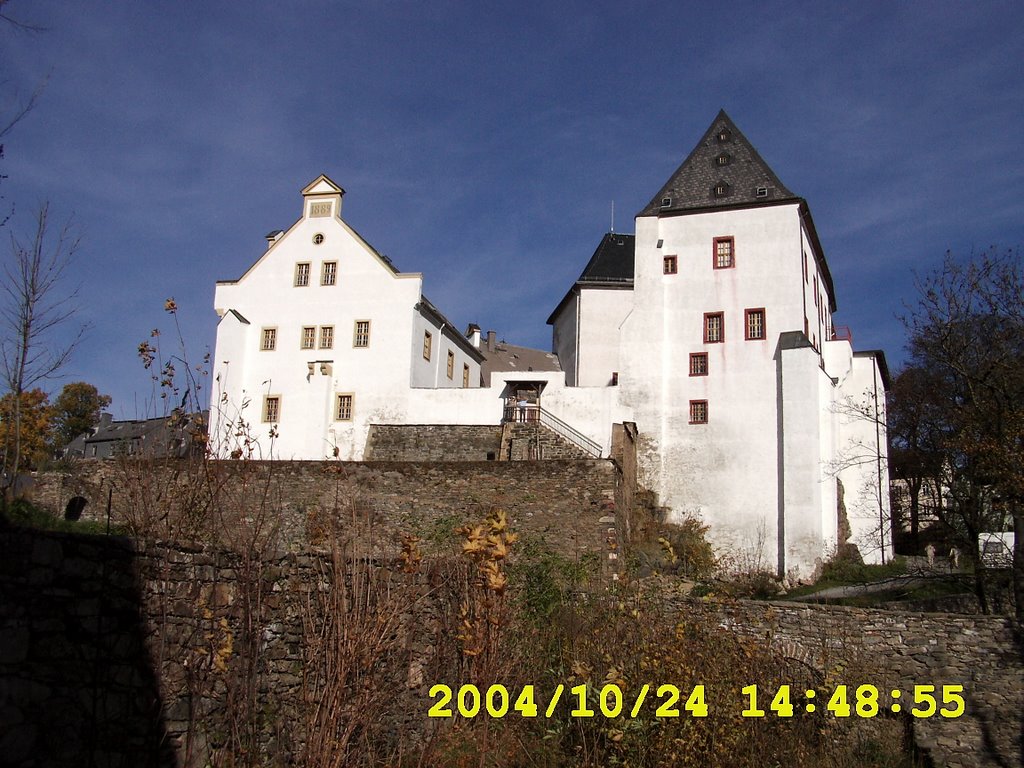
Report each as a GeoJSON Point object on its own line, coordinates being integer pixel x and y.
{"type": "Point", "coordinates": [36, 309]}
{"type": "Point", "coordinates": [967, 332]}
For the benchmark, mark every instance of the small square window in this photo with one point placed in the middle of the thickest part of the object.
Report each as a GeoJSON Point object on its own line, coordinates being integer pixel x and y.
{"type": "Point", "coordinates": [329, 273]}
{"type": "Point", "coordinates": [362, 334]}
{"type": "Point", "coordinates": [302, 274]}
{"type": "Point", "coordinates": [725, 252]}
{"type": "Point", "coordinates": [670, 265]}
{"type": "Point", "coordinates": [326, 337]}
{"type": "Point", "coordinates": [698, 363]}
{"type": "Point", "coordinates": [308, 336]}
{"type": "Point", "coordinates": [451, 364]}
{"type": "Point", "coordinates": [465, 376]}
{"type": "Point", "coordinates": [268, 339]}
{"type": "Point", "coordinates": [714, 327]}
{"type": "Point", "coordinates": [343, 408]}
{"type": "Point", "coordinates": [698, 411]}
{"type": "Point", "coordinates": [428, 343]}
{"type": "Point", "coordinates": [755, 328]}
{"type": "Point", "coordinates": [272, 409]}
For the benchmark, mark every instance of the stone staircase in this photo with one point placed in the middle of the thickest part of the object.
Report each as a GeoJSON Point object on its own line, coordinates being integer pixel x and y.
{"type": "Point", "coordinates": [532, 441]}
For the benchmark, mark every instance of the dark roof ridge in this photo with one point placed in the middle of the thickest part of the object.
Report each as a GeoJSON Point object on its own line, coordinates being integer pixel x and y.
{"type": "Point", "coordinates": [744, 172]}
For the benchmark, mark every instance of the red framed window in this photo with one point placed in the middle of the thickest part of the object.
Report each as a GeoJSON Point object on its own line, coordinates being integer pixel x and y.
{"type": "Point", "coordinates": [698, 411]}
{"type": "Point", "coordinates": [714, 327]}
{"type": "Point", "coordinates": [698, 363]}
{"type": "Point", "coordinates": [724, 256]}
{"type": "Point", "coordinates": [670, 265]}
{"type": "Point", "coordinates": [754, 325]}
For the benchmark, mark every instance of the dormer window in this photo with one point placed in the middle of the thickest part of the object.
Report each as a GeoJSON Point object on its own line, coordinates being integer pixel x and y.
{"type": "Point", "coordinates": [721, 189]}
{"type": "Point", "coordinates": [723, 159]}
{"type": "Point", "coordinates": [724, 136]}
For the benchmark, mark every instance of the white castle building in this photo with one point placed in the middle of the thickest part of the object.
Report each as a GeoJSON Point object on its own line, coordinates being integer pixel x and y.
{"type": "Point", "coordinates": [711, 329]}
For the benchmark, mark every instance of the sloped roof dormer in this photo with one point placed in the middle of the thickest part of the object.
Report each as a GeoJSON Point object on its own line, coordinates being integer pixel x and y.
{"type": "Point", "coordinates": [322, 197]}
{"type": "Point", "coordinates": [723, 170]}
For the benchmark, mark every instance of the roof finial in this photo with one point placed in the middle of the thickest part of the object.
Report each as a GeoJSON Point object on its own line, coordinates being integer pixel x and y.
{"type": "Point", "coordinates": [613, 217]}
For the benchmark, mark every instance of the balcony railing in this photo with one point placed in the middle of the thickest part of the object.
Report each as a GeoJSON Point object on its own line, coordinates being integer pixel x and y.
{"type": "Point", "coordinates": [842, 333]}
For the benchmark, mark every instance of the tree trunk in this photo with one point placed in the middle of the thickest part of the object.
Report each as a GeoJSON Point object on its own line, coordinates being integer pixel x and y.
{"type": "Point", "coordinates": [1018, 561]}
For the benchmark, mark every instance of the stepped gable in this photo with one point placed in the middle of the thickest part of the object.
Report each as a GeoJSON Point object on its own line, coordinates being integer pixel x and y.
{"type": "Point", "coordinates": [723, 171]}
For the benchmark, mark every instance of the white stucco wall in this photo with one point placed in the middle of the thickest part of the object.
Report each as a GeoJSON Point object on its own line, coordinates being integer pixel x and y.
{"type": "Point", "coordinates": [726, 470]}
{"type": "Point", "coordinates": [602, 312]}
{"type": "Point", "coordinates": [565, 338]}
{"type": "Point", "coordinates": [861, 456]}
{"type": "Point", "coordinates": [308, 381]}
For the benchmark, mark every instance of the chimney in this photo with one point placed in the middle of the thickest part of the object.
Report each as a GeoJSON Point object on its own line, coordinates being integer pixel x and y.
{"type": "Point", "coordinates": [490, 341]}
{"type": "Point", "coordinates": [473, 334]}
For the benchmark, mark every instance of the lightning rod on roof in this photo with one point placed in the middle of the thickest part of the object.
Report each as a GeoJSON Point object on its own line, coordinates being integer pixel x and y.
{"type": "Point", "coordinates": [613, 216]}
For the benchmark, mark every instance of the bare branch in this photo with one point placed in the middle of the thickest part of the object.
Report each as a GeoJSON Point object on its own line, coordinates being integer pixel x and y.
{"type": "Point", "coordinates": [34, 306]}
{"type": "Point", "coordinates": [22, 26]}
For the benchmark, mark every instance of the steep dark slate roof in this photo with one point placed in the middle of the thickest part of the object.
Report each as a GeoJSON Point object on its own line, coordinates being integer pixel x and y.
{"type": "Point", "coordinates": [743, 174]}
{"type": "Point", "coordinates": [611, 266]}
{"type": "Point", "coordinates": [612, 261]}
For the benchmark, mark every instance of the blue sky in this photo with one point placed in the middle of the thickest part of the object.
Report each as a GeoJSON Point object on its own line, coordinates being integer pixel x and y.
{"type": "Point", "coordinates": [483, 144]}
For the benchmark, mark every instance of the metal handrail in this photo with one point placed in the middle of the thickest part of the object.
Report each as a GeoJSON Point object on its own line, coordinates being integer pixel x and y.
{"type": "Point", "coordinates": [534, 414]}
{"type": "Point", "coordinates": [571, 434]}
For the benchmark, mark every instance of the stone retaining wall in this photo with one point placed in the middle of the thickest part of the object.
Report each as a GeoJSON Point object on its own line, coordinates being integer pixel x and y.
{"type": "Point", "coordinates": [899, 650]}
{"type": "Point", "coordinates": [563, 504]}
{"type": "Point", "coordinates": [433, 442]}
{"type": "Point", "coordinates": [119, 653]}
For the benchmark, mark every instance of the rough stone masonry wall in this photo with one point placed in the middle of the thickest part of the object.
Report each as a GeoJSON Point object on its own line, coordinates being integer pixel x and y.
{"type": "Point", "coordinates": [898, 650]}
{"type": "Point", "coordinates": [75, 674]}
{"type": "Point", "coordinates": [121, 654]}
{"type": "Point", "coordinates": [566, 505]}
{"type": "Point", "coordinates": [433, 442]}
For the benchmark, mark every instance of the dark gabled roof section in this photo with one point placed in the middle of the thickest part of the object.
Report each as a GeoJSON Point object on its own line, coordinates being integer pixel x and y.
{"type": "Point", "coordinates": [611, 266]}
{"type": "Point", "coordinates": [612, 261]}
{"type": "Point", "coordinates": [723, 171]}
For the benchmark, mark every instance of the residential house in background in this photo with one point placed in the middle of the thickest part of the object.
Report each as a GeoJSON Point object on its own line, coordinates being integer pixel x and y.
{"type": "Point", "coordinates": [166, 436]}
